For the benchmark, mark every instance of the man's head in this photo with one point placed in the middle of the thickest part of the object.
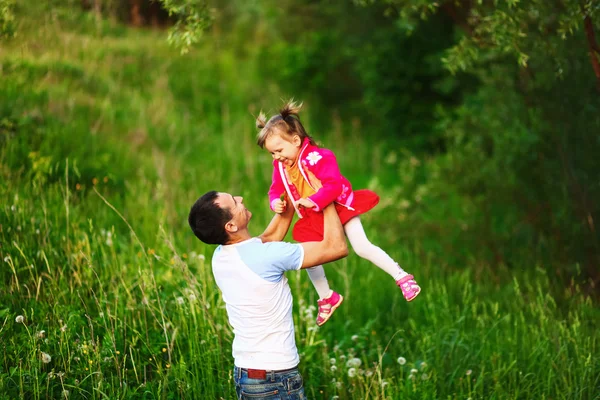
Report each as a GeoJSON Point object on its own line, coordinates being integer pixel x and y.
{"type": "Point", "coordinates": [219, 218]}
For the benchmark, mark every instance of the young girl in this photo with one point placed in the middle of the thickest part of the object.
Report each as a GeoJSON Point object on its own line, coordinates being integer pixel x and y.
{"type": "Point", "coordinates": [310, 177]}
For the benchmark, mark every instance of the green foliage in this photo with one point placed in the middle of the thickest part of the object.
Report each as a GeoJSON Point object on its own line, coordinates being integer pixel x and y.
{"type": "Point", "coordinates": [192, 18]}
{"type": "Point", "coordinates": [7, 19]}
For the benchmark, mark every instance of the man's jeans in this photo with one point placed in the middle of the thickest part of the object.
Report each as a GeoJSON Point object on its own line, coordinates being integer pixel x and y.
{"type": "Point", "coordinates": [286, 385]}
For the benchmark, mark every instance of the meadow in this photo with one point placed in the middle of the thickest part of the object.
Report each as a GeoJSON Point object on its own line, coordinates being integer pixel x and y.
{"type": "Point", "coordinates": [107, 137]}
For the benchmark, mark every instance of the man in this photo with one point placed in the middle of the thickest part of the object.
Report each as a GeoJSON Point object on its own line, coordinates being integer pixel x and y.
{"type": "Point", "coordinates": [250, 274]}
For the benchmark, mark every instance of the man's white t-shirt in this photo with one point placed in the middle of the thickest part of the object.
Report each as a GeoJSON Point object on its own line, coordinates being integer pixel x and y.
{"type": "Point", "coordinates": [250, 275]}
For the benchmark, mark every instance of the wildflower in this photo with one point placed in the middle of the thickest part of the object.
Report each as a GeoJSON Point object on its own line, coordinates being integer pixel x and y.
{"type": "Point", "coordinates": [423, 365]}
{"type": "Point", "coordinates": [41, 334]}
{"type": "Point", "coordinates": [424, 377]}
{"type": "Point", "coordinates": [76, 359]}
{"type": "Point", "coordinates": [333, 368]}
{"type": "Point", "coordinates": [66, 393]}
{"type": "Point", "coordinates": [201, 257]}
{"type": "Point", "coordinates": [20, 319]}
{"type": "Point", "coordinates": [78, 186]}
{"type": "Point", "coordinates": [354, 362]}
{"type": "Point", "coordinates": [94, 181]}
{"type": "Point", "coordinates": [332, 361]}
{"type": "Point", "coordinates": [164, 350]}
{"type": "Point", "coordinates": [401, 360]}
{"type": "Point", "coordinates": [37, 231]}
{"type": "Point", "coordinates": [384, 384]}
{"type": "Point", "coordinates": [352, 372]}
{"type": "Point", "coordinates": [369, 373]}
{"type": "Point", "coordinates": [413, 371]}
{"type": "Point", "coordinates": [63, 328]}
{"type": "Point", "coordinates": [469, 372]}
{"type": "Point", "coordinates": [338, 385]}
{"type": "Point", "coordinates": [192, 298]}
{"type": "Point", "coordinates": [342, 357]}
{"type": "Point", "coordinates": [13, 208]}
{"type": "Point", "coordinates": [180, 300]}
{"type": "Point", "coordinates": [354, 338]}
{"type": "Point", "coordinates": [105, 179]}
{"type": "Point", "coordinates": [6, 259]}
{"type": "Point", "coordinates": [46, 358]}
{"type": "Point", "coordinates": [184, 255]}
{"type": "Point", "coordinates": [168, 365]}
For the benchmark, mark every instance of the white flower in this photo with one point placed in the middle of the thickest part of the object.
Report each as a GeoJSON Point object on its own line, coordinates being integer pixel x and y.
{"type": "Point", "coordinates": [192, 297]}
{"type": "Point", "coordinates": [424, 377]}
{"type": "Point", "coordinates": [401, 360]}
{"type": "Point", "coordinates": [46, 358]}
{"type": "Point", "coordinates": [63, 328]}
{"type": "Point", "coordinates": [355, 337]}
{"type": "Point", "coordinates": [37, 231]}
{"type": "Point", "coordinates": [414, 371]}
{"type": "Point", "coordinates": [180, 300]}
{"type": "Point", "coordinates": [66, 393]}
{"type": "Point", "coordinates": [384, 384]}
{"type": "Point", "coordinates": [369, 373]}
{"type": "Point", "coordinates": [338, 385]}
{"type": "Point", "coordinates": [343, 357]}
{"type": "Point", "coordinates": [201, 257]}
{"type": "Point", "coordinates": [352, 372]}
{"type": "Point", "coordinates": [6, 259]}
{"type": "Point", "coordinates": [423, 365]}
{"type": "Point", "coordinates": [469, 372]}
{"type": "Point", "coordinates": [333, 368]}
{"type": "Point", "coordinates": [332, 361]}
{"type": "Point", "coordinates": [354, 362]}
{"type": "Point", "coordinates": [20, 319]}
{"type": "Point", "coordinates": [41, 334]}
{"type": "Point", "coordinates": [313, 157]}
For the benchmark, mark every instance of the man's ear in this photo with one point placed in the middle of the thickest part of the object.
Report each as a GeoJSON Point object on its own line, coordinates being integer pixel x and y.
{"type": "Point", "coordinates": [231, 227]}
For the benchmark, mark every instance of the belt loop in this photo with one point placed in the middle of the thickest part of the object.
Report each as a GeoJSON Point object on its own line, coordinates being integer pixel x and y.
{"type": "Point", "coordinates": [272, 373]}
{"type": "Point", "coordinates": [238, 372]}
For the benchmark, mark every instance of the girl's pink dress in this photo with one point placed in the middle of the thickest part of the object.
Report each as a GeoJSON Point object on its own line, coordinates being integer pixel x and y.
{"type": "Point", "coordinates": [319, 168]}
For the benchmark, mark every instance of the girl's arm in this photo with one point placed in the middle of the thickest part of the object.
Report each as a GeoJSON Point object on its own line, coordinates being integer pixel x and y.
{"type": "Point", "coordinates": [277, 188]}
{"type": "Point", "coordinates": [327, 171]}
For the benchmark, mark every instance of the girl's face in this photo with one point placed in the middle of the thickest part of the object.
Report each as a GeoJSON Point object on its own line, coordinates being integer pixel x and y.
{"type": "Point", "coordinates": [283, 149]}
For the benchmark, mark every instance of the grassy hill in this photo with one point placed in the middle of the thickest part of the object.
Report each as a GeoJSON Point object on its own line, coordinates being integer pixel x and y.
{"type": "Point", "coordinates": [107, 136]}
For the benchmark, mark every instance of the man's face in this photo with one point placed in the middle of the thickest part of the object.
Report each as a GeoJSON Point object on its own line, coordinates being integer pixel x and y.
{"type": "Point", "coordinates": [240, 215]}
{"type": "Point", "coordinates": [283, 149]}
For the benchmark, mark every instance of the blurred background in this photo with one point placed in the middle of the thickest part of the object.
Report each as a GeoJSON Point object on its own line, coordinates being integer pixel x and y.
{"type": "Point", "coordinates": [477, 122]}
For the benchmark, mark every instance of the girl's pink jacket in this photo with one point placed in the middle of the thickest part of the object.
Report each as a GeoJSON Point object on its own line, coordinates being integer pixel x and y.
{"type": "Point", "coordinates": [320, 169]}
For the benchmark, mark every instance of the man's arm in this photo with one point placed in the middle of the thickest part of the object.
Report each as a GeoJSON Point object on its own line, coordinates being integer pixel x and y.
{"type": "Point", "coordinates": [332, 247]}
{"type": "Point", "coordinates": [279, 226]}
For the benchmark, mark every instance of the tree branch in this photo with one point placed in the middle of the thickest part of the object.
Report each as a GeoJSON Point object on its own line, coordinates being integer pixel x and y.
{"type": "Point", "coordinates": [594, 49]}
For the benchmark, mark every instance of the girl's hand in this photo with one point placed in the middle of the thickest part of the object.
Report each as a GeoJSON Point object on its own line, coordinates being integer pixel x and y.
{"type": "Point", "coordinates": [305, 203]}
{"type": "Point", "coordinates": [278, 205]}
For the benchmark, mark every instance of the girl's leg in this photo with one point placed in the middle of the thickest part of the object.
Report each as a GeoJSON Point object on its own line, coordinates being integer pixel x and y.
{"type": "Point", "coordinates": [319, 281]}
{"type": "Point", "coordinates": [367, 250]}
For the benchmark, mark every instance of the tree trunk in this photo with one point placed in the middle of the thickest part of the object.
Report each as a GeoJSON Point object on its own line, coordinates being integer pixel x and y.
{"type": "Point", "coordinates": [594, 49]}
{"type": "Point", "coordinates": [135, 12]}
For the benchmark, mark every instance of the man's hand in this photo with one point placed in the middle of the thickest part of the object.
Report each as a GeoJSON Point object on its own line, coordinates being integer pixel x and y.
{"type": "Point", "coordinates": [305, 203]}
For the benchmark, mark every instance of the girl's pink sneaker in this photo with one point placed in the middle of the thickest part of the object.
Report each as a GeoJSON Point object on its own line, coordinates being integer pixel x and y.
{"type": "Point", "coordinates": [327, 307]}
{"type": "Point", "coordinates": [410, 288]}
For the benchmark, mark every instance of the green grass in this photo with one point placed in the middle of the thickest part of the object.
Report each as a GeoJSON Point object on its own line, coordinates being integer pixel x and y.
{"type": "Point", "coordinates": [107, 136]}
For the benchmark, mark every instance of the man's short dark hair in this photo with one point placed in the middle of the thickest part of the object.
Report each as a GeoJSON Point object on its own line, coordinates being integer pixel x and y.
{"type": "Point", "coordinates": [208, 220]}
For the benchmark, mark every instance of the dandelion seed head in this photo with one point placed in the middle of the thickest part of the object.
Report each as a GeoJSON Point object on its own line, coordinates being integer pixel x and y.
{"type": "Point", "coordinates": [401, 360]}
{"type": "Point", "coordinates": [424, 377]}
{"type": "Point", "coordinates": [414, 371]}
{"type": "Point", "coordinates": [46, 358]}
{"type": "Point", "coordinates": [332, 361]}
{"type": "Point", "coordinates": [384, 384]}
{"type": "Point", "coordinates": [20, 319]}
{"type": "Point", "coordinates": [63, 328]}
{"type": "Point", "coordinates": [333, 368]}
{"type": "Point", "coordinates": [469, 372]}
{"type": "Point", "coordinates": [354, 363]}
{"type": "Point", "coordinates": [423, 365]}
{"type": "Point", "coordinates": [180, 300]}
{"type": "Point", "coordinates": [369, 373]}
{"type": "Point", "coordinates": [352, 372]}
{"type": "Point", "coordinates": [354, 338]}
{"type": "Point", "coordinates": [41, 334]}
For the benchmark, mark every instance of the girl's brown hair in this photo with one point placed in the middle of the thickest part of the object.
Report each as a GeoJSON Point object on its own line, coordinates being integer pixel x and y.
{"type": "Point", "coordinates": [287, 121]}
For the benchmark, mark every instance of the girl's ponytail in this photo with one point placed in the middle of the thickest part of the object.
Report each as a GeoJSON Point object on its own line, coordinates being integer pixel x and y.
{"type": "Point", "coordinates": [290, 108]}
{"type": "Point", "coordinates": [261, 120]}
